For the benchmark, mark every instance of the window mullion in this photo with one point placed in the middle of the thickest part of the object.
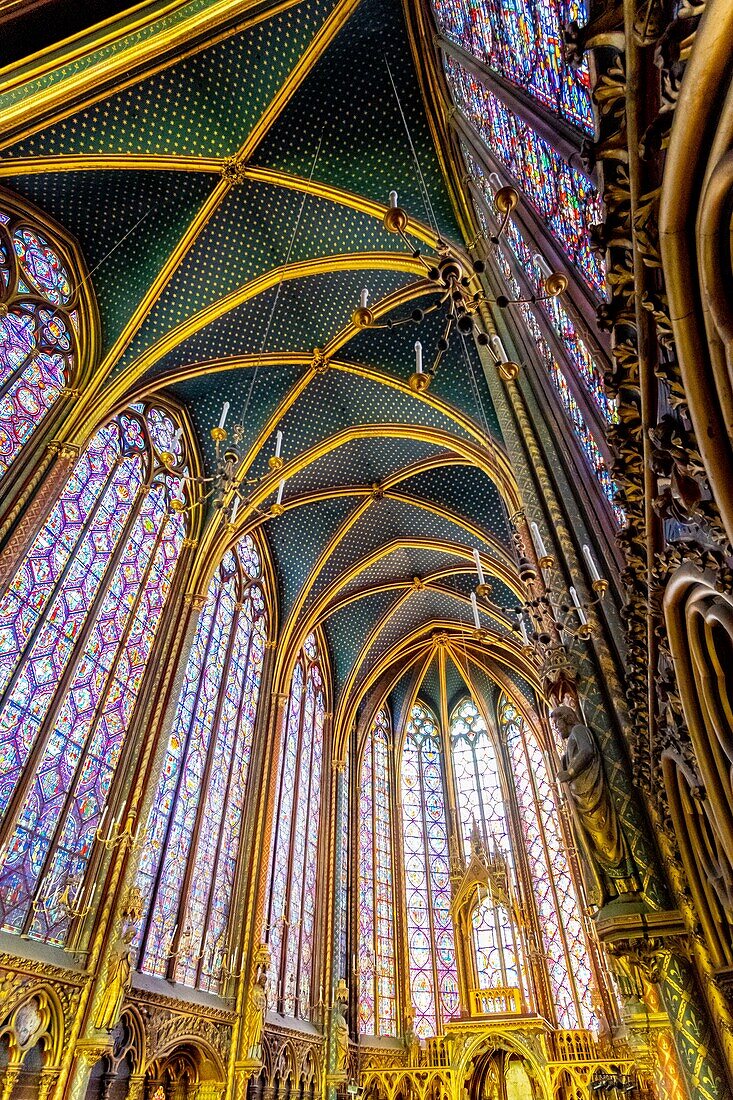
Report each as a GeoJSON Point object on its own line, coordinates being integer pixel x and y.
{"type": "Point", "coordinates": [227, 787]}
{"type": "Point", "coordinates": [181, 771]}
{"type": "Point", "coordinates": [101, 702]}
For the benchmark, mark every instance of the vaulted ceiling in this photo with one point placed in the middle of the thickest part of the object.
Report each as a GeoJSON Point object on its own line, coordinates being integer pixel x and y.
{"type": "Point", "coordinates": [225, 170]}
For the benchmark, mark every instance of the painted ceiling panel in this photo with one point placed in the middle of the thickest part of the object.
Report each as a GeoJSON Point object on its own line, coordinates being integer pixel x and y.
{"type": "Point", "coordinates": [459, 378]}
{"type": "Point", "coordinates": [205, 105]}
{"type": "Point", "coordinates": [337, 401]}
{"type": "Point", "coordinates": [421, 608]}
{"type": "Point", "coordinates": [455, 685]}
{"type": "Point", "coordinates": [293, 316]}
{"type": "Point", "coordinates": [360, 462]}
{"type": "Point", "coordinates": [256, 228]}
{"type": "Point", "coordinates": [465, 491]}
{"type": "Point", "coordinates": [465, 583]}
{"type": "Point", "coordinates": [402, 564]}
{"type": "Point", "coordinates": [205, 396]}
{"type": "Point", "coordinates": [125, 223]}
{"type": "Point", "coordinates": [347, 629]}
{"type": "Point", "coordinates": [348, 98]}
{"type": "Point", "coordinates": [298, 537]}
{"type": "Point", "coordinates": [429, 690]}
{"type": "Point", "coordinates": [483, 688]}
{"type": "Point", "coordinates": [385, 520]}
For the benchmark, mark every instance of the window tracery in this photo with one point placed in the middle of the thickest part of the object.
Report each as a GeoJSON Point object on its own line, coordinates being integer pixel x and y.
{"type": "Point", "coordinates": [194, 828]}
{"type": "Point", "coordinates": [433, 978]}
{"type": "Point", "coordinates": [578, 354]}
{"type": "Point", "coordinates": [481, 804]}
{"type": "Point", "coordinates": [524, 43]}
{"type": "Point", "coordinates": [563, 198]}
{"type": "Point", "coordinates": [39, 329]}
{"type": "Point", "coordinates": [377, 977]}
{"type": "Point", "coordinates": [77, 624]}
{"type": "Point", "coordinates": [294, 864]}
{"type": "Point", "coordinates": [566, 948]}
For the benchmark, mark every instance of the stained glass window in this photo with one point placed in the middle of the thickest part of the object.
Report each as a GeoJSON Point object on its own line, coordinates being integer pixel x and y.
{"type": "Point", "coordinates": [342, 880]}
{"type": "Point", "coordinates": [193, 831]}
{"type": "Point", "coordinates": [565, 946]}
{"type": "Point", "coordinates": [77, 624]}
{"type": "Point", "coordinates": [563, 198]}
{"type": "Point", "coordinates": [38, 332]}
{"type": "Point", "coordinates": [430, 942]}
{"type": "Point", "coordinates": [578, 353]}
{"type": "Point", "coordinates": [480, 801]}
{"type": "Point", "coordinates": [524, 43]}
{"type": "Point", "coordinates": [377, 980]}
{"type": "Point", "coordinates": [295, 837]}
{"type": "Point", "coordinates": [582, 431]}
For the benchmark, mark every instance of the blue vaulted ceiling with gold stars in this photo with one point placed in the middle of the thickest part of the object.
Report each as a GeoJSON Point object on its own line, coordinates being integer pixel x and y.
{"type": "Point", "coordinates": [226, 178]}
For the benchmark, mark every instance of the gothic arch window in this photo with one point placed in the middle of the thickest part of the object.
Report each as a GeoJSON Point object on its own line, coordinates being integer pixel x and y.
{"type": "Point", "coordinates": [562, 197]}
{"type": "Point", "coordinates": [578, 360]}
{"type": "Point", "coordinates": [78, 621]}
{"type": "Point", "coordinates": [376, 924]}
{"type": "Point", "coordinates": [524, 44]}
{"type": "Point", "coordinates": [565, 946]}
{"type": "Point", "coordinates": [481, 805]}
{"type": "Point", "coordinates": [40, 322]}
{"type": "Point", "coordinates": [295, 841]}
{"type": "Point", "coordinates": [194, 827]}
{"type": "Point", "coordinates": [433, 979]}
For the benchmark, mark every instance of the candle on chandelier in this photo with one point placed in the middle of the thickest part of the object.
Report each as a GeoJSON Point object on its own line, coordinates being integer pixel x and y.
{"type": "Point", "coordinates": [578, 606]}
{"type": "Point", "coordinates": [479, 567]}
{"type": "Point", "coordinates": [495, 178]}
{"type": "Point", "coordinates": [104, 814]}
{"type": "Point", "coordinates": [592, 567]}
{"type": "Point", "coordinates": [523, 631]}
{"type": "Point", "coordinates": [280, 490]}
{"type": "Point", "coordinates": [224, 414]}
{"type": "Point", "coordinates": [499, 348]}
{"type": "Point", "coordinates": [474, 605]}
{"type": "Point", "coordinates": [178, 436]}
{"type": "Point", "coordinates": [418, 357]}
{"type": "Point", "coordinates": [235, 509]}
{"type": "Point", "coordinates": [393, 199]}
{"type": "Point", "coordinates": [542, 264]}
{"type": "Point", "coordinates": [278, 444]}
{"type": "Point", "coordinates": [364, 298]}
{"type": "Point", "coordinates": [538, 541]}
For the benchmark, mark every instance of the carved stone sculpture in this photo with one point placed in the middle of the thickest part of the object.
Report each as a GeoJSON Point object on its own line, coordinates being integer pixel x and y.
{"type": "Point", "coordinates": [118, 977]}
{"type": "Point", "coordinates": [117, 981]}
{"type": "Point", "coordinates": [599, 837]}
{"type": "Point", "coordinates": [257, 1005]}
{"type": "Point", "coordinates": [341, 1027]}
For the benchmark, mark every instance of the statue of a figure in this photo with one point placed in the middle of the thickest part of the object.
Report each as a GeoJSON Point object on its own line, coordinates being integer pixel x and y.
{"type": "Point", "coordinates": [412, 1043]}
{"type": "Point", "coordinates": [257, 1005]}
{"type": "Point", "coordinates": [340, 1026]}
{"type": "Point", "coordinates": [598, 830]}
{"type": "Point", "coordinates": [117, 981]}
{"type": "Point", "coordinates": [118, 977]}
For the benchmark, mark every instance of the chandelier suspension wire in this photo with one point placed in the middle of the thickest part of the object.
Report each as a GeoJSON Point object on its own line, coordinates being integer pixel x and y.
{"type": "Point", "coordinates": [421, 179]}
{"type": "Point", "coordinates": [288, 254]}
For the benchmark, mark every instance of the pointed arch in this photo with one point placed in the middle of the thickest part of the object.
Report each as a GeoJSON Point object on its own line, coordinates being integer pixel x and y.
{"type": "Point", "coordinates": [79, 619]}
{"type": "Point", "coordinates": [433, 978]}
{"type": "Point", "coordinates": [294, 855]}
{"type": "Point", "coordinates": [48, 323]}
{"type": "Point", "coordinates": [375, 897]}
{"type": "Point", "coordinates": [566, 945]}
{"type": "Point", "coordinates": [194, 827]}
